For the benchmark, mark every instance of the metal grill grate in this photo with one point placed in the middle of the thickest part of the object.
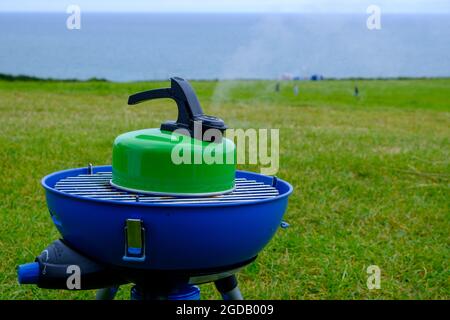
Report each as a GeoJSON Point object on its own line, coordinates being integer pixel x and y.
{"type": "Point", "coordinates": [97, 186]}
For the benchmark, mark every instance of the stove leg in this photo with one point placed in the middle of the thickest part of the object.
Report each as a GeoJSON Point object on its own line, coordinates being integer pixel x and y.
{"type": "Point", "coordinates": [106, 293]}
{"type": "Point", "coordinates": [228, 288]}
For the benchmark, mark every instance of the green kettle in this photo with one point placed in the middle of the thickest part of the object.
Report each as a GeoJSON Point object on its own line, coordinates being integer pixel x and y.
{"type": "Point", "coordinates": [186, 157]}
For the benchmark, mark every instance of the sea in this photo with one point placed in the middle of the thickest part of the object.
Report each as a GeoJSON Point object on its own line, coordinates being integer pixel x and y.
{"type": "Point", "coordinates": [149, 46]}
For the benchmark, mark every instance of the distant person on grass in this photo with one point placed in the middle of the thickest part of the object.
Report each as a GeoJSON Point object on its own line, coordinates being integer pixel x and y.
{"type": "Point", "coordinates": [296, 90]}
{"type": "Point", "coordinates": [356, 92]}
{"type": "Point", "coordinates": [277, 87]}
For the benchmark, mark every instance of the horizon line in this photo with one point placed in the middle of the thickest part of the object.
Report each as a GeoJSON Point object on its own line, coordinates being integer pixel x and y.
{"type": "Point", "coordinates": [227, 12]}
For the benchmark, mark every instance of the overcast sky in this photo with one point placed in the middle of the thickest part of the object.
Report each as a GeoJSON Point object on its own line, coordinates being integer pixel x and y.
{"type": "Point", "coordinates": [307, 6]}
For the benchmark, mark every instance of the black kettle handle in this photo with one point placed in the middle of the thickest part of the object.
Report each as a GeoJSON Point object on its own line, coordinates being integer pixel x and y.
{"type": "Point", "coordinates": [189, 109]}
{"type": "Point", "coordinates": [180, 91]}
{"type": "Point", "coordinates": [149, 95]}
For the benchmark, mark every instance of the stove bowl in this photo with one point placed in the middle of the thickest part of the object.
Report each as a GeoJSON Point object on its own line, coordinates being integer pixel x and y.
{"type": "Point", "coordinates": [176, 236]}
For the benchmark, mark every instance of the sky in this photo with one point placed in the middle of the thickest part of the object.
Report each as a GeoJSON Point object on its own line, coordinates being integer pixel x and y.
{"type": "Point", "coordinates": [235, 6]}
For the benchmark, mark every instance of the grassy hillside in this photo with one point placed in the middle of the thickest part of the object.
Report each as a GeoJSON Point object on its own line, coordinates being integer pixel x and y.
{"type": "Point", "coordinates": [371, 177]}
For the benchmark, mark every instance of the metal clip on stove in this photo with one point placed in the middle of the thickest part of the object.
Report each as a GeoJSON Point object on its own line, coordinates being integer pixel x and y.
{"type": "Point", "coordinates": [135, 241]}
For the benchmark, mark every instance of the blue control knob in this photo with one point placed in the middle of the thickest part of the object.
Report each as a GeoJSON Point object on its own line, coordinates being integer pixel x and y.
{"type": "Point", "coordinates": [28, 273]}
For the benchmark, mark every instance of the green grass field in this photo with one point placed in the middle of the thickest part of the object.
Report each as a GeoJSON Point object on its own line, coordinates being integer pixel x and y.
{"type": "Point", "coordinates": [371, 178]}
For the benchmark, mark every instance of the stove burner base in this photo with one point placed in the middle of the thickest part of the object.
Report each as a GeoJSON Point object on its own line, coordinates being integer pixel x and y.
{"type": "Point", "coordinates": [54, 269]}
{"type": "Point", "coordinates": [228, 288]}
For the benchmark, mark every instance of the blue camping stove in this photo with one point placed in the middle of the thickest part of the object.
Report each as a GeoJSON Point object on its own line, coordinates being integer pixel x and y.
{"type": "Point", "coordinates": [166, 246]}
